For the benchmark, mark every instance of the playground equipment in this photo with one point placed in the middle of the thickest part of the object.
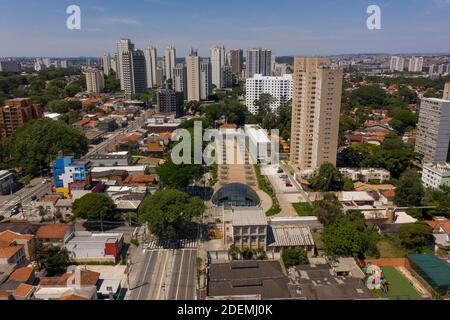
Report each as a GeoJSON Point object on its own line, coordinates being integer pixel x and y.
{"type": "Point", "coordinates": [376, 279]}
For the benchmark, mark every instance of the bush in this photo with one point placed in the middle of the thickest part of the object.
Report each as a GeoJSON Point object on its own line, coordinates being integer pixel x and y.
{"type": "Point", "coordinates": [303, 209]}
{"type": "Point", "coordinates": [134, 242]}
{"type": "Point", "coordinates": [295, 257]}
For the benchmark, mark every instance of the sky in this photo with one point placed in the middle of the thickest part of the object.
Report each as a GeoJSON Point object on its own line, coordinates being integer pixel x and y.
{"type": "Point", "coordinates": [287, 27]}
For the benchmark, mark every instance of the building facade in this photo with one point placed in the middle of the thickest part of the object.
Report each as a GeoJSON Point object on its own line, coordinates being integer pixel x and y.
{"type": "Point", "coordinates": [193, 76]}
{"type": "Point", "coordinates": [170, 57]}
{"type": "Point", "coordinates": [106, 64]}
{"type": "Point", "coordinates": [9, 66]}
{"type": "Point", "coordinates": [415, 64]}
{"type": "Point", "coordinates": [95, 82]}
{"type": "Point", "coordinates": [205, 79]}
{"type": "Point", "coordinates": [150, 64]}
{"type": "Point", "coordinates": [217, 63]}
{"type": "Point", "coordinates": [280, 88]}
{"type": "Point", "coordinates": [169, 101]}
{"type": "Point", "coordinates": [259, 61]}
{"type": "Point", "coordinates": [447, 91]}
{"type": "Point", "coordinates": [180, 79]}
{"type": "Point", "coordinates": [397, 64]}
{"type": "Point", "coordinates": [433, 130]}
{"type": "Point", "coordinates": [16, 113]}
{"type": "Point", "coordinates": [316, 104]}
{"type": "Point", "coordinates": [237, 61]}
{"type": "Point", "coordinates": [70, 174]}
{"type": "Point", "coordinates": [436, 175]}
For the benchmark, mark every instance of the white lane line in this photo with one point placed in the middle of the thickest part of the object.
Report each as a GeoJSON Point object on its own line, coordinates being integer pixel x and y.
{"type": "Point", "coordinates": [146, 270]}
{"type": "Point", "coordinates": [179, 275]}
{"type": "Point", "coordinates": [189, 272]}
{"type": "Point", "coordinates": [162, 277]}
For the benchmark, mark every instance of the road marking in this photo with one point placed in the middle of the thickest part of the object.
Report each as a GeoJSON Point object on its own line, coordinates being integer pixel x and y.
{"type": "Point", "coordinates": [146, 269]}
{"type": "Point", "coordinates": [179, 275]}
{"type": "Point", "coordinates": [162, 276]}
{"type": "Point", "coordinates": [189, 272]}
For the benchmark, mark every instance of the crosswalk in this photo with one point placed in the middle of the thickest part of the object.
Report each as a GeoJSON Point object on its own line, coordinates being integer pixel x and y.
{"type": "Point", "coordinates": [172, 244]}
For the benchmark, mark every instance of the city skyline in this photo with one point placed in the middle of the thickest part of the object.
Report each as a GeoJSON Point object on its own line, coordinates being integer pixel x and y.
{"type": "Point", "coordinates": [287, 27]}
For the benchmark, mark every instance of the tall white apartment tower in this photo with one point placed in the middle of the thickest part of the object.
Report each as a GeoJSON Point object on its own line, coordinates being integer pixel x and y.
{"type": "Point", "coordinates": [280, 88]}
{"type": "Point", "coordinates": [193, 76]}
{"type": "Point", "coordinates": [123, 46]}
{"type": "Point", "coordinates": [170, 57]}
{"type": "Point", "coordinates": [415, 64]}
{"type": "Point", "coordinates": [150, 63]}
{"type": "Point", "coordinates": [106, 64]}
{"type": "Point", "coordinates": [433, 130]}
{"type": "Point", "coordinates": [217, 64]}
{"type": "Point", "coordinates": [205, 79]}
{"type": "Point", "coordinates": [180, 79]}
{"type": "Point", "coordinates": [259, 61]}
{"type": "Point", "coordinates": [397, 64]}
{"type": "Point", "coordinates": [95, 82]}
{"type": "Point", "coordinates": [447, 91]}
{"type": "Point", "coordinates": [316, 104]}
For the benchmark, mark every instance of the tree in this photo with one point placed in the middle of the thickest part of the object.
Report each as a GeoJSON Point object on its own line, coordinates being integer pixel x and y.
{"type": "Point", "coordinates": [63, 106]}
{"type": "Point", "coordinates": [328, 179]}
{"type": "Point", "coordinates": [371, 95]}
{"type": "Point", "coordinates": [169, 211]}
{"type": "Point", "coordinates": [440, 198]}
{"type": "Point", "coordinates": [403, 119]}
{"type": "Point", "coordinates": [178, 176]}
{"type": "Point", "coordinates": [342, 239]}
{"type": "Point", "coordinates": [295, 257]}
{"type": "Point", "coordinates": [95, 206]}
{"type": "Point", "coordinates": [36, 143]}
{"type": "Point", "coordinates": [56, 260]}
{"type": "Point", "coordinates": [416, 237]}
{"type": "Point", "coordinates": [37, 253]}
{"type": "Point", "coordinates": [409, 190]}
{"type": "Point", "coordinates": [328, 210]}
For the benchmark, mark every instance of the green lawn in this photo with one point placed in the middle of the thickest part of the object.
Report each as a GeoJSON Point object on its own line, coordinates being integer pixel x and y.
{"type": "Point", "coordinates": [303, 209]}
{"type": "Point", "coordinates": [399, 288]}
{"type": "Point", "coordinates": [389, 248]}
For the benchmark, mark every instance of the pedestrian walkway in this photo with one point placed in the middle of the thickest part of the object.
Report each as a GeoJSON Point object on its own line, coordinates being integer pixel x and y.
{"type": "Point", "coordinates": [172, 244]}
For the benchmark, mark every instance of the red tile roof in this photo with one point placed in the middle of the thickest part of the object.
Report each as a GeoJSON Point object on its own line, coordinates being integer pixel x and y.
{"type": "Point", "coordinates": [73, 297]}
{"type": "Point", "coordinates": [445, 225]}
{"type": "Point", "coordinates": [9, 236]}
{"type": "Point", "coordinates": [52, 231]}
{"type": "Point", "coordinates": [23, 290]}
{"type": "Point", "coordinates": [22, 274]}
{"type": "Point", "coordinates": [8, 252]}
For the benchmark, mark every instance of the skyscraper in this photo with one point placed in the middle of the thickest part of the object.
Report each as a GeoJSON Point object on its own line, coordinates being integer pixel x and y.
{"type": "Point", "coordinates": [124, 45]}
{"type": "Point", "coordinates": [237, 61]}
{"type": "Point", "coordinates": [205, 79]}
{"type": "Point", "coordinates": [227, 77]}
{"type": "Point", "coordinates": [415, 64]}
{"type": "Point", "coordinates": [150, 61]}
{"type": "Point", "coordinates": [106, 64]}
{"type": "Point", "coordinates": [433, 130]}
{"type": "Point", "coordinates": [397, 64]}
{"type": "Point", "coordinates": [217, 63]}
{"type": "Point", "coordinates": [180, 79]}
{"type": "Point", "coordinates": [193, 76]}
{"type": "Point", "coordinates": [133, 72]}
{"type": "Point", "coordinates": [316, 105]}
{"type": "Point", "coordinates": [139, 72]}
{"type": "Point", "coordinates": [280, 88]}
{"type": "Point", "coordinates": [259, 61]}
{"type": "Point", "coordinates": [170, 58]}
{"type": "Point", "coordinates": [95, 82]}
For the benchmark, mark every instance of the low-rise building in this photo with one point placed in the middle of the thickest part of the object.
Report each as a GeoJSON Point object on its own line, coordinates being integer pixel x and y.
{"type": "Point", "coordinates": [109, 160]}
{"type": "Point", "coordinates": [56, 234]}
{"type": "Point", "coordinates": [249, 229]}
{"type": "Point", "coordinates": [9, 238]}
{"type": "Point", "coordinates": [435, 175]}
{"type": "Point", "coordinates": [95, 247]}
{"type": "Point", "coordinates": [441, 233]}
{"type": "Point", "coordinates": [366, 174]}
{"type": "Point", "coordinates": [8, 183]}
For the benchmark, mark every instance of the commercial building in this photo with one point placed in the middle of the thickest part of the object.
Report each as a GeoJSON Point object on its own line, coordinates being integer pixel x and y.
{"type": "Point", "coordinates": [217, 63]}
{"type": "Point", "coordinates": [259, 61]}
{"type": "Point", "coordinates": [280, 88]}
{"type": "Point", "coordinates": [95, 83]}
{"type": "Point", "coordinates": [180, 79]}
{"type": "Point", "coordinates": [316, 102]}
{"type": "Point", "coordinates": [9, 66]}
{"type": "Point", "coordinates": [132, 68]}
{"type": "Point", "coordinates": [237, 62]}
{"type": "Point", "coordinates": [259, 144]}
{"type": "Point", "coordinates": [227, 77]}
{"type": "Point", "coordinates": [435, 175]}
{"type": "Point", "coordinates": [397, 64]}
{"type": "Point", "coordinates": [249, 229]}
{"type": "Point", "coordinates": [70, 174]}
{"type": "Point", "coordinates": [169, 101]}
{"type": "Point", "coordinates": [447, 91]}
{"type": "Point", "coordinates": [415, 64]}
{"type": "Point", "coordinates": [170, 57]}
{"type": "Point", "coordinates": [150, 64]}
{"type": "Point", "coordinates": [98, 247]}
{"type": "Point", "coordinates": [16, 113]}
{"type": "Point", "coordinates": [433, 130]}
{"type": "Point", "coordinates": [110, 160]}
{"type": "Point", "coordinates": [193, 76]}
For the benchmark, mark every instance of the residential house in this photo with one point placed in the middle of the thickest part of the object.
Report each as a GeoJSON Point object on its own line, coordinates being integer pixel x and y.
{"type": "Point", "coordinates": [56, 234]}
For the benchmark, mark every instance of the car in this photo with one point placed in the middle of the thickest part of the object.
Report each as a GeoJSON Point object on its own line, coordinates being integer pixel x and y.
{"type": "Point", "coordinates": [33, 198]}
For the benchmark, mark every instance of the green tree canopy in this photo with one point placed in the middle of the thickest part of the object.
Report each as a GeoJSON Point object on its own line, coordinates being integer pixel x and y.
{"type": "Point", "coordinates": [56, 260]}
{"type": "Point", "coordinates": [416, 237]}
{"type": "Point", "coordinates": [328, 179]}
{"type": "Point", "coordinates": [36, 143]}
{"type": "Point", "coordinates": [440, 198]}
{"type": "Point", "coordinates": [95, 206]}
{"type": "Point", "coordinates": [409, 190]}
{"type": "Point", "coordinates": [295, 257]}
{"type": "Point", "coordinates": [328, 210]}
{"type": "Point", "coordinates": [169, 211]}
{"type": "Point", "coordinates": [178, 176]}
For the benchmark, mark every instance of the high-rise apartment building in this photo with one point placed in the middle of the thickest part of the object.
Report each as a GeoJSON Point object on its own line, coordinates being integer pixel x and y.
{"type": "Point", "coordinates": [169, 101]}
{"type": "Point", "coordinates": [107, 64]}
{"type": "Point", "coordinates": [447, 91]}
{"type": "Point", "coordinates": [433, 130]}
{"type": "Point", "coordinates": [151, 65]}
{"type": "Point", "coordinates": [132, 68]}
{"type": "Point", "coordinates": [17, 112]}
{"type": "Point", "coordinates": [237, 61]}
{"type": "Point", "coordinates": [95, 82]}
{"type": "Point", "coordinates": [115, 65]}
{"type": "Point", "coordinates": [259, 61]}
{"type": "Point", "coordinates": [193, 76]}
{"type": "Point", "coordinates": [280, 88]}
{"type": "Point", "coordinates": [217, 64]}
{"type": "Point", "coordinates": [180, 79]}
{"type": "Point", "coordinates": [227, 77]}
{"type": "Point", "coordinates": [397, 64]}
{"type": "Point", "coordinates": [205, 79]}
{"type": "Point", "coordinates": [415, 64]}
{"type": "Point", "coordinates": [316, 104]}
{"type": "Point", "coordinates": [9, 66]}
{"type": "Point", "coordinates": [170, 57]}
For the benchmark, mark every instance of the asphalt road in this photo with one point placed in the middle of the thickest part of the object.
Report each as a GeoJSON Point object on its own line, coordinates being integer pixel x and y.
{"type": "Point", "coordinates": [184, 276]}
